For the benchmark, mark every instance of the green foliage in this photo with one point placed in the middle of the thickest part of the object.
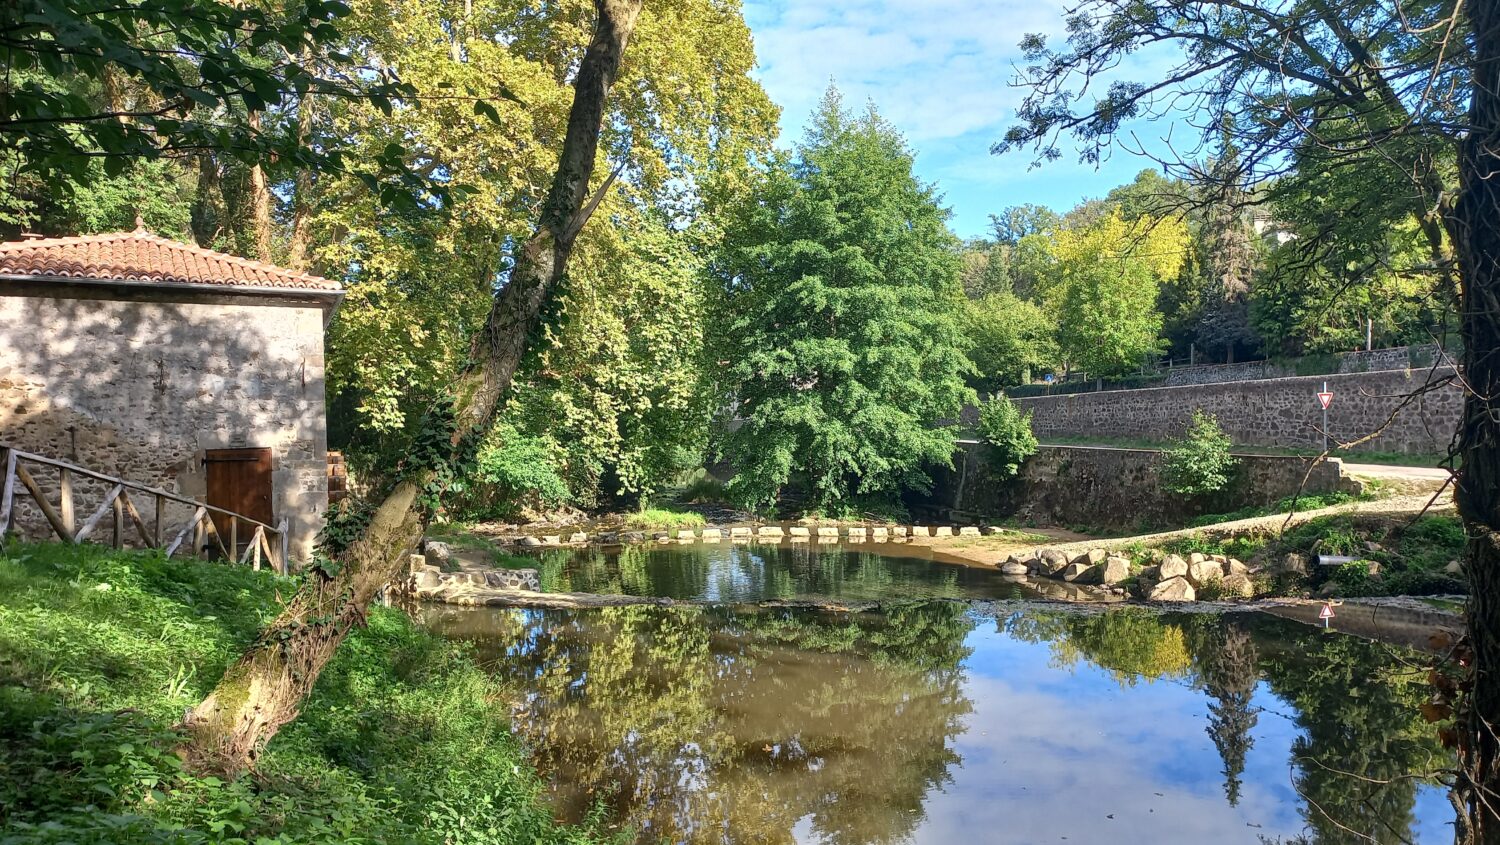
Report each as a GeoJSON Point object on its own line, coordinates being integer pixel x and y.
{"type": "Point", "coordinates": [512, 472]}
{"type": "Point", "coordinates": [1200, 463]}
{"type": "Point", "coordinates": [1006, 429]}
{"type": "Point", "coordinates": [843, 341]}
{"type": "Point", "coordinates": [1012, 340]}
{"type": "Point", "coordinates": [401, 741]}
{"type": "Point", "coordinates": [660, 519]}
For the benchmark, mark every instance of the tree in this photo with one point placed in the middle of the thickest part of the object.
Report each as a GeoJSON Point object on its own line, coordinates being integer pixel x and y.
{"type": "Point", "coordinates": [1105, 286]}
{"type": "Point", "coordinates": [1011, 340]}
{"type": "Point", "coordinates": [1404, 94]}
{"type": "Point", "coordinates": [92, 80]}
{"type": "Point", "coordinates": [1019, 221]}
{"type": "Point", "coordinates": [1199, 464]}
{"type": "Point", "coordinates": [844, 349]}
{"type": "Point", "coordinates": [265, 687]}
{"type": "Point", "coordinates": [1006, 429]}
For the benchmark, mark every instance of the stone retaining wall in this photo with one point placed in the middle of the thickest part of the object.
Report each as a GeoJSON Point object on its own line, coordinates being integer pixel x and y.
{"type": "Point", "coordinates": [1276, 412]}
{"type": "Point", "coordinates": [1394, 358]}
{"type": "Point", "coordinates": [1113, 489]}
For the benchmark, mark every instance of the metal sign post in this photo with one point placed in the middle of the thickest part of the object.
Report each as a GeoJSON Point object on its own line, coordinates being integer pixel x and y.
{"type": "Point", "coordinates": [1325, 398]}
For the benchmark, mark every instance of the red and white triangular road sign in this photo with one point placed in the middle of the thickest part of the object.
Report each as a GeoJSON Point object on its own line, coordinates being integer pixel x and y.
{"type": "Point", "coordinates": [1326, 612]}
{"type": "Point", "coordinates": [1325, 397]}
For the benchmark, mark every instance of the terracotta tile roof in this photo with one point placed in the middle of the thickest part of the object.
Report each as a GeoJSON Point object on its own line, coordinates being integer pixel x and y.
{"type": "Point", "coordinates": [144, 258]}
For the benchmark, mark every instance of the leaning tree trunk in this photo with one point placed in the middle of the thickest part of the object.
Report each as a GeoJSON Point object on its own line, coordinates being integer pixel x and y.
{"type": "Point", "coordinates": [265, 688]}
{"type": "Point", "coordinates": [1478, 487]}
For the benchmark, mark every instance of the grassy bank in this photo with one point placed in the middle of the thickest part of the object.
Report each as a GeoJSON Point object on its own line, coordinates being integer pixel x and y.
{"type": "Point", "coordinates": [404, 740]}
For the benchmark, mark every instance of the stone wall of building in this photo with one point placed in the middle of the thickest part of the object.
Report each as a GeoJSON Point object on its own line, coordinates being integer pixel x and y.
{"type": "Point", "coordinates": [140, 389]}
{"type": "Point", "coordinates": [1276, 412]}
{"type": "Point", "coordinates": [1113, 489]}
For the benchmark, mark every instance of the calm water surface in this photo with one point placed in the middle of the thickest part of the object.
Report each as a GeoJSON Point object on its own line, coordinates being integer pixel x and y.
{"type": "Point", "coordinates": [934, 724]}
{"type": "Point", "coordinates": [736, 573]}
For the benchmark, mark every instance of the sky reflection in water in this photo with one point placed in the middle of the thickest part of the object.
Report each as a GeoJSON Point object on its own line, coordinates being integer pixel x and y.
{"type": "Point", "coordinates": [934, 725]}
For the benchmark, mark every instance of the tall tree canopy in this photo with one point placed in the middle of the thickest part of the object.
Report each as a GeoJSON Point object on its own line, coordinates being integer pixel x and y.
{"type": "Point", "coordinates": [844, 348]}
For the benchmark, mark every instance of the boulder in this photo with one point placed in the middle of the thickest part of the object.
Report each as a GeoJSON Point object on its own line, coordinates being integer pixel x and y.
{"type": "Point", "coordinates": [1077, 572]}
{"type": "Point", "coordinates": [686, 534]}
{"type": "Point", "coordinates": [1234, 567]}
{"type": "Point", "coordinates": [1014, 567]}
{"type": "Point", "coordinates": [1454, 568]}
{"type": "Point", "coordinates": [632, 537]}
{"type": "Point", "coordinates": [740, 531]}
{"type": "Point", "coordinates": [662, 536]}
{"type": "Point", "coordinates": [769, 531]}
{"type": "Point", "coordinates": [1052, 561]}
{"type": "Point", "coordinates": [1114, 570]}
{"type": "Point", "coordinates": [426, 579]}
{"type": "Point", "coordinates": [438, 552]}
{"type": "Point", "coordinates": [608, 538]}
{"type": "Point", "coordinates": [942, 531]}
{"type": "Point", "coordinates": [1172, 589]}
{"type": "Point", "coordinates": [1197, 557]}
{"type": "Point", "coordinates": [552, 540]}
{"type": "Point", "coordinates": [416, 563]}
{"type": "Point", "coordinates": [1091, 557]}
{"type": "Point", "coordinates": [1204, 571]}
{"type": "Point", "coordinates": [993, 530]}
{"type": "Point", "coordinates": [529, 541]}
{"type": "Point", "coordinates": [1295, 563]}
{"type": "Point", "coordinates": [1237, 585]}
{"type": "Point", "coordinates": [578, 538]}
{"type": "Point", "coordinates": [1173, 566]}
{"type": "Point", "coordinates": [712, 535]}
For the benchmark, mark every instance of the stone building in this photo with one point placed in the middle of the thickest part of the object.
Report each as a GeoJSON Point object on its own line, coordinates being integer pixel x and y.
{"type": "Point", "coordinates": [172, 366]}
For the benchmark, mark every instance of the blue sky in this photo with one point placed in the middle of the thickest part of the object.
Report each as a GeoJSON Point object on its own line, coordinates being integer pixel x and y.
{"type": "Point", "coordinates": [940, 70]}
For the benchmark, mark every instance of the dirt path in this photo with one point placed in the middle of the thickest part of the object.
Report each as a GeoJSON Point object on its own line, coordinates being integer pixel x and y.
{"type": "Point", "coordinates": [993, 551]}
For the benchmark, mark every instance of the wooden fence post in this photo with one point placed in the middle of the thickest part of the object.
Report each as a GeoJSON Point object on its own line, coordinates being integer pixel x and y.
{"type": "Point", "coordinates": [8, 494]}
{"type": "Point", "coordinates": [65, 500]}
{"type": "Point", "coordinates": [119, 506]}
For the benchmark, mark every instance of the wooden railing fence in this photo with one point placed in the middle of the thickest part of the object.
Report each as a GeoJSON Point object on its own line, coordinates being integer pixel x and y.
{"type": "Point", "coordinates": [266, 544]}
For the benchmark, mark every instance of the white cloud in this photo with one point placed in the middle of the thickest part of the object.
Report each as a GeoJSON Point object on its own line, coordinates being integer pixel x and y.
{"type": "Point", "coordinates": [941, 71]}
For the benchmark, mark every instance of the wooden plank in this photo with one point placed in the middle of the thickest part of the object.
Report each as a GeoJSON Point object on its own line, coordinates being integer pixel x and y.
{"type": "Point", "coordinates": [286, 561]}
{"type": "Point", "coordinates": [199, 538]}
{"type": "Point", "coordinates": [65, 500]}
{"type": "Point", "coordinates": [135, 518]}
{"type": "Point", "coordinates": [252, 549]}
{"type": "Point", "coordinates": [98, 516]}
{"type": "Point", "coordinates": [41, 501]}
{"type": "Point", "coordinates": [266, 546]}
{"type": "Point", "coordinates": [234, 536]}
{"type": "Point", "coordinates": [161, 506]}
{"type": "Point", "coordinates": [118, 540]}
{"type": "Point", "coordinates": [213, 531]}
{"type": "Point", "coordinates": [182, 535]}
{"type": "Point", "coordinates": [8, 495]}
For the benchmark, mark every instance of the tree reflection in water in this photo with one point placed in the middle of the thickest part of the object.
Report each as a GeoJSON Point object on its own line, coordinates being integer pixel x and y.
{"type": "Point", "coordinates": [711, 725]}
{"type": "Point", "coordinates": [701, 725]}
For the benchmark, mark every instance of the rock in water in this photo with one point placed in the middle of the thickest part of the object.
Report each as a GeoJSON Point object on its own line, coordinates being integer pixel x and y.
{"type": "Point", "coordinates": [1076, 572]}
{"type": "Point", "coordinates": [1014, 567]}
{"type": "Point", "coordinates": [1113, 571]}
{"type": "Point", "coordinates": [1052, 561]}
{"type": "Point", "coordinates": [437, 552]}
{"type": "Point", "coordinates": [1172, 589]}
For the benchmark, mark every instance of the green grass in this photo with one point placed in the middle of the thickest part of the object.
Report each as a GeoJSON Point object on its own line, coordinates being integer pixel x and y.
{"type": "Point", "coordinates": [1310, 502]}
{"type": "Point", "coordinates": [403, 740]}
{"type": "Point", "coordinates": [661, 519]}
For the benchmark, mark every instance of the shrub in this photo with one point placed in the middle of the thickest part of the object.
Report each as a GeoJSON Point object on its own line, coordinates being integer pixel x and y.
{"type": "Point", "coordinates": [1007, 431]}
{"type": "Point", "coordinates": [512, 471]}
{"type": "Point", "coordinates": [661, 519]}
{"type": "Point", "coordinates": [1199, 464]}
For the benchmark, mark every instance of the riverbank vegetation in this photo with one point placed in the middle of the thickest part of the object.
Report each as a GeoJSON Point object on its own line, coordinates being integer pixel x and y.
{"type": "Point", "coordinates": [404, 739]}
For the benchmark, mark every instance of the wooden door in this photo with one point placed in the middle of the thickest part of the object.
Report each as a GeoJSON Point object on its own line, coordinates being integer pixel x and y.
{"type": "Point", "coordinates": [239, 480]}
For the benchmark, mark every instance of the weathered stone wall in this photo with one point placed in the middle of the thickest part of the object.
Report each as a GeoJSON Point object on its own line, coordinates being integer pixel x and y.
{"type": "Point", "coordinates": [1276, 412]}
{"type": "Point", "coordinates": [1394, 358]}
{"type": "Point", "coordinates": [1113, 489]}
{"type": "Point", "coordinates": [140, 389]}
